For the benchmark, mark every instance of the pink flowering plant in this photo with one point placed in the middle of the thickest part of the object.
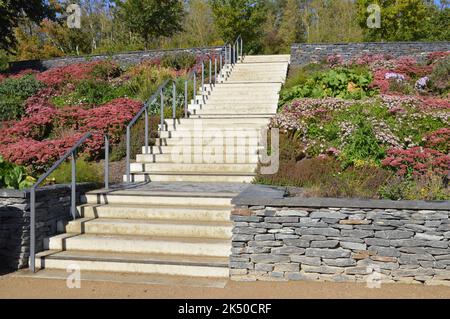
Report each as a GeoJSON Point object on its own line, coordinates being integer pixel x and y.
{"type": "Point", "coordinates": [69, 101]}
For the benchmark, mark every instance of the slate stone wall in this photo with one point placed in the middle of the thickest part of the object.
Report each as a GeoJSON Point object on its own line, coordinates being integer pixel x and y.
{"type": "Point", "coordinates": [52, 213]}
{"type": "Point", "coordinates": [124, 59]}
{"type": "Point", "coordinates": [303, 53]}
{"type": "Point", "coordinates": [354, 244]}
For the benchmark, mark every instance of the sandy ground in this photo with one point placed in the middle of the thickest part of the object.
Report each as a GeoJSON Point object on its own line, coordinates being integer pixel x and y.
{"type": "Point", "coordinates": [19, 287]}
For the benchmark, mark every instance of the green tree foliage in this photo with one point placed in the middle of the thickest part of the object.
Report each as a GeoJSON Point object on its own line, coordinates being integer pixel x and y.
{"type": "Point", "coordinates": [291, 26]}
{"type": "Point", "coordinates": [240, 17]}
{"type": "Point", "coordinates": [13, 11]}
{"type": "Point", "coordinates": [152, 19]}
{"type": "Point", "coordinates": [405, 20]}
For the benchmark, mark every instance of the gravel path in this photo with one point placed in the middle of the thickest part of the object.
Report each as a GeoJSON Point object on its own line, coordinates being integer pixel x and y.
{"type": "Point", "coordinates": [18, 287]}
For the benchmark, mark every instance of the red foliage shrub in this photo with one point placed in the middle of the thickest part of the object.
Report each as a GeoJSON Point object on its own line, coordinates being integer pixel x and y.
{"type": "Point", "coordinates": [417, 161]}
{"type": "Point", "coordinates": [439, 140]}
{"type": "Point", "coordinates": [63, 74]}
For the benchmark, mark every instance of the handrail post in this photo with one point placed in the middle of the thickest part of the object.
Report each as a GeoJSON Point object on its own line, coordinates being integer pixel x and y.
{"type": "Point", "coordinates": [162, 111]}
{"type": "Point", "coordinates": [174, 102]}
{"type": "Point", "coordinates": [128, 155]}
{"type": "Point", "coordinates": [215, 71]}
{"type": "Point", "coordinates": [229, 54]}
{"type": "Point", "coordinates": [185, 98]}
{"type": "Point", "coordinates": [210, 72]}
{"type": "Point", "coordinates": [242, 50]}
{"type": "Point", "coordinates": [146, 130]}
{"type": "Point", "coordinates": [203, 81]}
{"type": "Point", "coordinates": [195, 88]}
{"type": "Point", "coordinates": [220, 66]}
{"type": "Point", "coordinates": [73, 185]}
{"type": "Point", "coordinates": [33, 229]}
{"type": "Point", "coordinates": [106, 161]}
{"type": "Point", "coordinates": [225, 53]}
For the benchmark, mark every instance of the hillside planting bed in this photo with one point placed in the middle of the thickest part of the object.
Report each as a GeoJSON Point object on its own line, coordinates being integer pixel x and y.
{"type": "Point", "coordinates": [373, 127]}
{"type": "Point", "coordinates": [42, 114]}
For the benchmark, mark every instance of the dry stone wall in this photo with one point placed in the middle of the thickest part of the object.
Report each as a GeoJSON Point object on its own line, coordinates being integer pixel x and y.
{"type": "Point", "coordinates": [354, 244]}
{"type": "Point", "coordinates": [304, 53]}
{"type": "Point", "coordinates": [52, 213]}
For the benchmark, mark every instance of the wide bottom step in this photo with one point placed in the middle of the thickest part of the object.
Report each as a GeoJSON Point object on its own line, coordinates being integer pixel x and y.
{"type": "Point", "coordinates": [174, 265]}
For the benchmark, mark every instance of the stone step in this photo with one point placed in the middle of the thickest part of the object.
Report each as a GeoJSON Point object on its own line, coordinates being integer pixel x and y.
{"type": "Point", "coordinates": [155, 198]}
{"type": "Point", "coordinates": [178, 150]}
{"type": "Point", "coordinates": [248, 117]}
{"type": "Point", "coordinates": [208, 132]}
{"type": "Point", "coordinates": [266, 58]}
{"type": "Point", "coordinates": [159, 212]}
{"type": "Point", "coordinates": [177, 265]}
{"type": "Point", "coordinates": [218, 140]}
{"type": "Point", "coordinates": [140, 244]}
{"type": "Point", "coordinates": [192, 168]}
{"type": "Point", "coordinates": [222, 157]}
{"type": "Point", "coordinates": [198, 177]}
{"type": "Point", "coordinates": [149, 227]}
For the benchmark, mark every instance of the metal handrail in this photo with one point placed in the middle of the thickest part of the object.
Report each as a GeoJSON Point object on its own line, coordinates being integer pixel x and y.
{"type": "Point", "coordinates": [70, 153]}
{"type": "Point", "coordinates": [144, 110]}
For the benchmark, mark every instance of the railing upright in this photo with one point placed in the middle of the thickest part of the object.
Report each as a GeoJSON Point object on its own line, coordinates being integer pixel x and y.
{"type": "Point", "coordinates": [174, 102]}
{"type": "Point", "coordinates": [106, 161]}
{"type": "Point", "coordinates": [162, 125]}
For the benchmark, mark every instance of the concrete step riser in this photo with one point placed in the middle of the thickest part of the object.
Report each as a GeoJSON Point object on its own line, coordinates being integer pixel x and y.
{"type": "Point", "coordinates": [145, 229]}
{"type": "Point", "coordinates": [157, 200]}
{"type": "Point", "coordinates": [222, 158]}
{"type": "Point", "coordinates": [80, 243]}
{"type": "Point", "coordinates": [206, 152]}
{"type": "Point", "coordinates": [156, 213]}
{"type": "Point", "coordinates": [186, 133]}
{"type": "Point", "coordinates": [191, 178]}
{"type": "Point", "coordinates": [193, 168]}
{"type": "Point", "coordinates": [142, 268]}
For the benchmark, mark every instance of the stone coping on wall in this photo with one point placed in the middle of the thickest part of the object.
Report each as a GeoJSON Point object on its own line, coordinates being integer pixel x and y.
{"type": "Point", "coordinates": [261, 195]}
{"type": "Point", "coordinates": [145, 52]}
{"type": "Point", "coordinates": [123, 58]}
{"type": "Point", "coordinates": [15, 193]}
{"type": "Point", "coordinates": [370, 43]}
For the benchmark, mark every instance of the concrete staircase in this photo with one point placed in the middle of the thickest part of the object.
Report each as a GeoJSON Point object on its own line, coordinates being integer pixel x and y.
{"type": "Point", "coordinates": [158, 228]}
{"type": "Point", "coordinates": [179, 223]}
{"type": "Point", "coordinates": [221, 139]}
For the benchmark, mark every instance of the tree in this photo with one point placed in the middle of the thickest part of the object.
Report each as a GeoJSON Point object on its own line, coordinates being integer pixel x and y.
{"type": "Point", "coordinates": [291, 27]}
{"type": "Point", "coordinates": [13, 11]}
{"type": "Point", "coordinates": [401, 20]}
{"type": "Point", "coordinates": [152, 19]}
{"type": "Point", "coordinates": [240, 17]}
{"type": "Point", "coordinates": [331, 21]}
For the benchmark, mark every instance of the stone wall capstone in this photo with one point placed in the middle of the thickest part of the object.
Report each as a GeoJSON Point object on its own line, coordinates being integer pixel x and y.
{"type": "Point", "coordinates": [338, 243]}
{"type": "Point", "coordinates": [304, 53]}
{"type": "Point", "coordinates": [52, 214]}
{"type": "Point", "coordinates": [124, 59]}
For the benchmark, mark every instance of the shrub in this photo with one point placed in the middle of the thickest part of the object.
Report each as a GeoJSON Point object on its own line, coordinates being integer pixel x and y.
{"type": "Point", "coordinates": [4, 61]}
{"type": "Point", "coordinates": [362, 145]}
{"type": "Point", "coordinates": [299, 75]}
{"type": "Point", "coordinates": [340, 82]}
{"type": "Point", "coordinates": [14, 176]}
{"type": "Point", "coordinates": [106, 70]}
{"type": "Point", "coordinates": [86, 172]}
{"type": "Point", "coordinates": [417, 161]}
{"type": "Point", "coordinates": [179, 60]}
{"type": "Point", "coordinates": [423, 187]}
{"type": "Point", "coordinates": [13, 92]}
{"type": "Point", "coordinates": [440, 77]}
